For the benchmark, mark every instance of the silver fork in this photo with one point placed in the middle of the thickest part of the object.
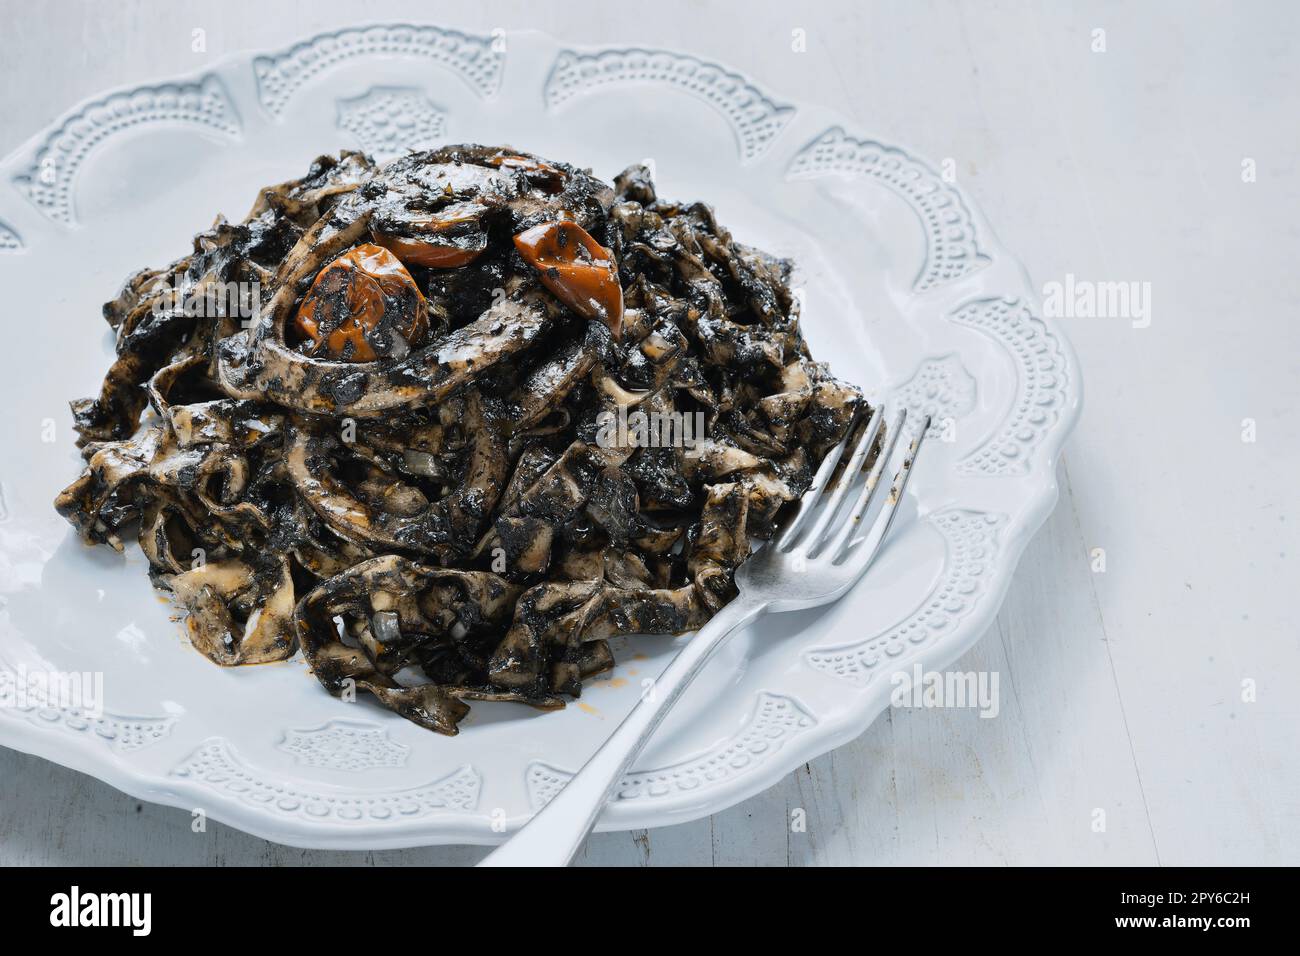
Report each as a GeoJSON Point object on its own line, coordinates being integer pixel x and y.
{"type": "Point", "coordinates": [797, 570]}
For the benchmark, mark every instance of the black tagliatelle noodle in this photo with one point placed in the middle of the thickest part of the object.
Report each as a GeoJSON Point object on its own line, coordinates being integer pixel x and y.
{"type": "Point", "coordinates": [450, 423]}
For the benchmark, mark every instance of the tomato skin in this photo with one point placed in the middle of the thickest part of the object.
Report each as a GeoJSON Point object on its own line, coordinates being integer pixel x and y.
{"type": "Point", "coordinates": [542, 174]}
{"type": "Point", "coordinates": [451, 237]}
{"type": "Point", "coordinates": [577, 270]}
{"type": "Point", "coordinates": [360, 300]}
{"type": "Point", "coordinates": [420, 252]}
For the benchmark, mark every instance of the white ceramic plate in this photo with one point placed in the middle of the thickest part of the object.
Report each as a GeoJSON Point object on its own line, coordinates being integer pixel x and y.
{"type": "Point", "coordinates": [906, 292]}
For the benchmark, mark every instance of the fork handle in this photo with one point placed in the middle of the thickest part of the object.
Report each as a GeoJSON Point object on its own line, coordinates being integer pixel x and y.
{"type": "Point", "coordinates": [556, 833]}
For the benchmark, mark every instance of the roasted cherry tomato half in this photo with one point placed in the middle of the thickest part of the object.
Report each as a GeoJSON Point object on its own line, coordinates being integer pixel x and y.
{"type": "Point", "coordinates": [450, 237]}
{"type": "Point", "coordinates": [578, 270]}
{"type": "Point", "coordinates": [539, 173]}
{"type": "Point", "coordinates": [360, 304]}
{"type": "Point", "coordinates": [423, 252]}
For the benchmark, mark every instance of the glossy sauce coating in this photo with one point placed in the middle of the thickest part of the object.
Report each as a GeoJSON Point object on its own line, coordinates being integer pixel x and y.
{"type": "Point", "coordinates": [540, 173]}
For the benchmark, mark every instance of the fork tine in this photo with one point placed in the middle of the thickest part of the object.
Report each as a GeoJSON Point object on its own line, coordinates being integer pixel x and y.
{"type": "Point", "coordinates": [867, 495]}
{"type": "Point", "coordinates": [880, 527]}
{"type": "Point", "coordinates": [810, 497]}
{"type": "Point", "coordinates": [847, 480]}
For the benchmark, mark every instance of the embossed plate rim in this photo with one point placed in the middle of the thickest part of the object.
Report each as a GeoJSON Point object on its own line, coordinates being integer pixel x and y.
{"type": "Point", "coordinates": [829, 731]}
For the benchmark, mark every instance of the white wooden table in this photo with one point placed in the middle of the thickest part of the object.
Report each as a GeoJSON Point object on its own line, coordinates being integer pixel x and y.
{"type": "Point", "coordinates": [1129, 730]}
